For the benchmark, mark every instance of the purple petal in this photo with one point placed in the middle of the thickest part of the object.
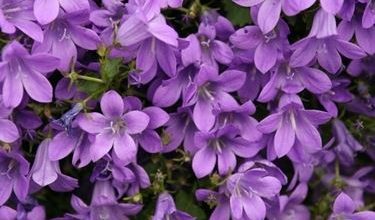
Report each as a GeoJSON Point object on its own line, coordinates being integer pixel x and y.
{"type": "Point", "coordinates": [285, 136]}
{"type": "Point", "coordinates": [343, 204]}
{"type": "Point", "coordinates": [231, 80]}
{"type": "Point", "coordinates": [158, 117]}
{"type": "Point", "coordinates": [30, 29]}
{"type": "Point", "coordinates": [101, 146]}
{"type": "Point", "coordinates": [6, 190]}
{"type": "Point", "coordinates": [9, 132]}
{"type": "Point", "coordinates": [84, 37]}
{"type": "Point", "coordinates": [12, 91]}
{"type": "Point", "coordinates": [93, 123]}
{"type": "Point", "coordinates": [46, 11]}
{"type": "Point", "coordinates": [350, 50]}
{"type": "Point", "coordinates": [331, 6]}
{"type": "Point", "coordinates": [43, 171]}
{"type": "Point", "coordinates": [163, 97]}
{"type": "Point", "coordinates": [265, 56]}
{"type": "Point", "coordinates": [42, 63]}
{"type": "Point", "coordinates": [38, 87]}
{"type": "Point", "coordinates": [329, 58]}
{"type": "Point", "coordinates": [226, 161]}
{"type": "Point", "coordinates": [125, 148]}
{"type": "Point", "coordinates": [255, 203]}
{"type": "Point", "coordinates": [159, 29]}
{"type": "Point", "coordinates": [136, 121]}
{"type": "Point", "coordinates": [247, 3]}
{"type": "Point", "coordinates": [364, 39]}
{"type": "Point", "coordinates": [112, 104]}
{"type": "Point", "coordinates": [247, 37]}
{"type": "Point", "coordinates": [204, 162]}
{"type": "Point", "coordinates": [221, 52]}
{"type": "Point", "coordinates": [166, 58]}
{"type": "Point", "coordinates": [132, 31]}
{"type": "Point", "coordinates": [314, 80]}
{"type": "Point", "coordinates": [203, 117]}
{"type": "Point", "coordinates": [307, 134]}
{"type": "Point", "coordinates": [368, 19]}
{"type": "Point", "coordinates": [61, 146]}
{"type": "Point", "coordinates": [269, 15]}
{"type": "Point", "coordinates": [270, 123]}
{"type": "Point", "coordinates": [66, 50]}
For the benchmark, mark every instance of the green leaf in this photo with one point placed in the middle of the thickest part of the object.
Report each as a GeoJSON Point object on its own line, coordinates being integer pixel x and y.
{"type": "Point", "coordinates": [186, 202]}
{"type": "Point", "coordinates": [90, 87]}
{"type": "Point", "coordinates": [110, 68]}
{"type": "Point", "coordinates": [236, 14]}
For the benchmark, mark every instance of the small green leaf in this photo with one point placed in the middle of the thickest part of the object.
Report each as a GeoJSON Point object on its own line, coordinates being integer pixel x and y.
{"type": "Point", "coordinates": [110, 68]}
{"type": "Point", "coordinates": [236, 14]}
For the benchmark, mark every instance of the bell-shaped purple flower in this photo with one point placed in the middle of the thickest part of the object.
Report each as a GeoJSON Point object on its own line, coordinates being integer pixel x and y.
{"type": "Point", "coordinates": [209, 90]}
{"type": "Point", "coordinates": [23, 71]}
{"type": "Point", "coordinates": [166, 209]}
{"type": "Point", "coordinates": [221, 147]}
{"type": "Point", "coordinates": [114, 128]}
{"type": "Point", "coordinates": [47, 172]}
{"type": "Point", "coordinates": [293, 123]}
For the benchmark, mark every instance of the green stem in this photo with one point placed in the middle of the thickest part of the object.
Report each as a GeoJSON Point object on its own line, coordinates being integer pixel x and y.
{"type": "Point", "coordinates": [89, 78]}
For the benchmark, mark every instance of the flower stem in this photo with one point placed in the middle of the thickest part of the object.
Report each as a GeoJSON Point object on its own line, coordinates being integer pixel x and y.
{"type": "Point", "coordinates": [89, 78]}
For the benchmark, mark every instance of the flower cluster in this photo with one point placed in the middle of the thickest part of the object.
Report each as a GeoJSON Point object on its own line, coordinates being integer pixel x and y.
{"type": "Point", "coordinates": [172, 109]}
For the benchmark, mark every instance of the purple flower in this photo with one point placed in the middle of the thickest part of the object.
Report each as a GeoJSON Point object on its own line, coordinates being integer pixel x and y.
{"type": "Point", "coordinates": [13, 175]}
{"type": "Point", "coordinates": [149, 139]}
{"type": "Point", "coordinates": [157, 44]}
{"type": "Point", "coordinates": [166, 209]}
{"type": "Point", "coordinates": [368, 19]}
{"type": "Point", "coordinates": [326, 50]}
{"type": "Point", "coordinates": [18, 14]}
{"type": "Point", "coordinates": [47, 172]}
{"type": "Point", "coordinates": [24, 71]}
{"type": "Point", "coordinates": [294, 80]}
{"type": "Point", "coordinates": [222, 146]}
{"type": "Point", "coordinates": [103, 205]}
{"type": "Point", "coordinates": [209, 90]}
{"type": "Point", "coordinates": [294, 125]}
{"type": "Point", "coordinates": [63, 34]}
{"type": "Point", "coordinates": [244, 193]}
{"type": "Point", "coordinates": [9, 132]}
{"type": "Point", "coordinates": [46, 11]}
{"type": "Point", "coordinates": [344, 208]}
{"type": "Point", "coordinates": [363, 36]}
{"type": "Point", "coordinates": [180, 129]}
{"type": "Point", "coordinates": [109, 19]}
{"type": "Point", "coordinates": [113, 128]}
{"type": "Point", "coordinates": [269, 11]}
{"type": "Point", "coordinates": [268, 47]}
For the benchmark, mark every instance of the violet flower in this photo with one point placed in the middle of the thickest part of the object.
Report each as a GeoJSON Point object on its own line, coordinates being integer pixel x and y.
{"type": "Point", "coordinates": [166, 209]}
{"type": "Point", "coordinates": [63, 34]}
{"type": "Point", "coordinates": [18, 14]}
{"type": "Point", "coordinates": [293, 123]}
{"type": "Point", "coordinates": [114, 128]}
{"type": "Point", "coordinates": [209, 90]}
{"type": "Point", "coordinates": [221, 147]}
{"type": "Point", "coordinates": [157, 44]}
{"type": "Point", "coordinates": [344, 208]}
{"type": "Point", "coordinates": [24, 71]}
{"type": "Point", "coordinates": [108, 19]}
{"type": "Point", "coordinates": [103, 205]}
{"type": "Point", "coordinates": [294, 80]}
{"type": "Point", "coordinates": [13, 176]}
{"type": "Point", "coordinates": [270, 10]}
{"type": "Point", "coordinates": [347, 145]}
{"type": "Point", "coordinates": [268, 47]}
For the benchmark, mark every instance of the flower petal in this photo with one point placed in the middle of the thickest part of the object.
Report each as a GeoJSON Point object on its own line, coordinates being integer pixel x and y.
{"type": "Point", "coordinates": [46, 11]}
{"type": "Point", "coordinates": [112, 104]}
{"type": "Point", "coordinates": [204, 162]}
{"type": "Point", "coordinates": [136, 121]}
